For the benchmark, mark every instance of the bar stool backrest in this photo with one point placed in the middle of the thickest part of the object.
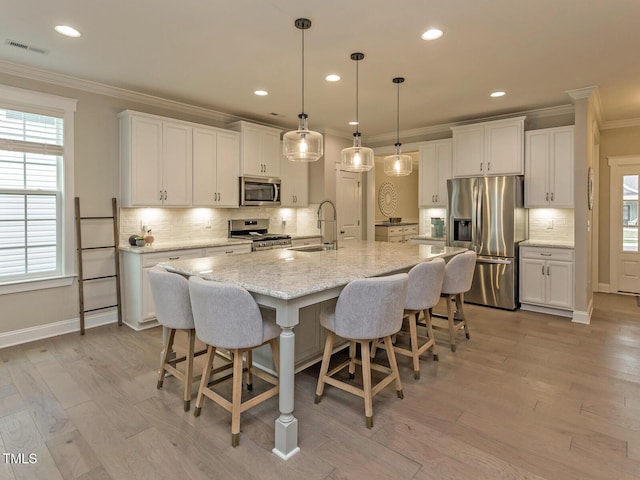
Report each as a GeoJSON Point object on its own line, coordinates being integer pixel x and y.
{"type": "Point", "coordinates": [371, 308]}
{"type": "Point", "coordinates": [458, 274]}
{"type": "Point", "coordinates": [170, 293]}
{"type": "Point", "coordinates": [225, 315]}
{"type": "Point", "coordinates": [425, 285]}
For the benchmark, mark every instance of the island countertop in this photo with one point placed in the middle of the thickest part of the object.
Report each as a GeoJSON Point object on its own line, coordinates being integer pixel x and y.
{"type": "Point", "coordinates": [288, 274]}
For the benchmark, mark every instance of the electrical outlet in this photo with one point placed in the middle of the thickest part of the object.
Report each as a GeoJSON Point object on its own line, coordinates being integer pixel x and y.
{"type": "Point", "coordinates": [207, 223]}
{"type": "Point", "coordinates": [549, 224]}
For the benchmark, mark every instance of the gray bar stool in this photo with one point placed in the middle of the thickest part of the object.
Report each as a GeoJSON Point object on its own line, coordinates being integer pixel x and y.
{"type": "Point", "coordinates": [173, 309]}
{"type": "Point", "coordinates": [367, 309]}
{"type": "Point", "coordinates": [458, 275]}
{"type": "Point", "coordinates": [226, 316]}
{"type": "Point", "coordinates": [423, 293]}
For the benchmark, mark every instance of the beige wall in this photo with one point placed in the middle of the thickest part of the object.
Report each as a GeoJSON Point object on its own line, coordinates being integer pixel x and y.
{"type": "Point", "coordinates": [614, 142]}
{"type": "Point", "coordinates": [407, 193]}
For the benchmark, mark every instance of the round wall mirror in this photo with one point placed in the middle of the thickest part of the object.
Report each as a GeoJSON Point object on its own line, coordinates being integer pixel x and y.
{"type": "Point", "coordinates": [387, 199]}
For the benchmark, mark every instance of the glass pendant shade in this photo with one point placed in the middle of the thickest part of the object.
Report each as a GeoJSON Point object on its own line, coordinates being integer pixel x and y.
{"type": "Point", "coordinates": [302, 145]}
{"type": "Point", "coordinates": [398, 165]}
{"type": "Point", "coordinates": [357, 158]}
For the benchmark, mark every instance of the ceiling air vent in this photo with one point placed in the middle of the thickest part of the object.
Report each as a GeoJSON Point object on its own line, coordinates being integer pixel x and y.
{"type": "Point", "coordinates": [24, 46]}
{"type": "Point", "coordinates": [274, 114]}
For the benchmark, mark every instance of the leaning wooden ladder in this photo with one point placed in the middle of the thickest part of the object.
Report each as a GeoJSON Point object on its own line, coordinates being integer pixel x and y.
{"type": "Point", "coordinates": [80, 249]}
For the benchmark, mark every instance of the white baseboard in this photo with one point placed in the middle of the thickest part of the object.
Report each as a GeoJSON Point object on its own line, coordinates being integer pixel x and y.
{"type": "Point", "coordinates": [603, 287]}
{"type": "Point", "coordinates": [31, 334]}
{"type": "Point", "coordinates": [583, 317]}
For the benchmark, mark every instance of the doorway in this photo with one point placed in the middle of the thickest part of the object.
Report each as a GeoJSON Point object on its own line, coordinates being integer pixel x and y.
{"type": "Point", "coordinates": [349, 203]}
{"type": "Point", "coordinates": [625, 254]}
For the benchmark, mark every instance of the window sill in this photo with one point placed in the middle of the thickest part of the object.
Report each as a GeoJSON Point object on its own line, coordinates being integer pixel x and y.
{"type": "Point", "coordinates": [40, 284]}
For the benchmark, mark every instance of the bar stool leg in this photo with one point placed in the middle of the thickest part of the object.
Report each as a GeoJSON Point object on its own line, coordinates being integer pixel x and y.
{"type": "Point", "coordinates": [413, 331]}
{"type": "Point", "coordinates": [236, 398]}
{"type": "Point", "coordinates": [352, 357]}
{"type": "Point", "coordinates": [204, 380]}
{"type": "Point", "coordinates": [394, 366]}
{"type": "Point", "coordinates": [452, 329]}
{"type": "Point", "coordinates": [249, 372]}
{"type": "Point", "coordinates": [188, 379]}
{"type": "Point", "coordinates": [324, 368]}
{"type": "Point", "coordinates": [460, 302]}
{"type": "Point", "coordinates": [427, 320]}
{"type": "Point", "coordinates": [366, 379]}
{"type": "Point", "coordinates": [165, 357]}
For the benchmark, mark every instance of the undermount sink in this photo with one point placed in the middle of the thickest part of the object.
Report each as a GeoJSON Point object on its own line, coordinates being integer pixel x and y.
{"type": "Point", "coordinates": [313, 248]}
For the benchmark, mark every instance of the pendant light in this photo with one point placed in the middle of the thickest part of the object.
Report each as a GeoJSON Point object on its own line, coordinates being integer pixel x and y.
{"type": "Point", "coordinates": [302, 145]}
{"type": "Point", "coordinates": [398, 165]}
{"type": "Point", "coordinates": [357, 158]}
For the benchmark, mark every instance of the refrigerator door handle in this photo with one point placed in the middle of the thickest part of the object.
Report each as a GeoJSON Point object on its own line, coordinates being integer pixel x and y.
{"type": "Point", "coordinates": [494, 261]}
{"type": "Point", "coordinates": [477, 221]}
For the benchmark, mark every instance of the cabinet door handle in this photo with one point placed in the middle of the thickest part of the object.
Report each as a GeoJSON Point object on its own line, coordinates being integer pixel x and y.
{"type": "Point", "coordinates": [174, 258]}
{"type": "Point", "coordinates": [160, 194]}
{"type": "Point", "coordinates": [488, 166]}
{"type": "Point", "coordinates": [546, 254]}
{"type": "Point", "coordinates": [480, 166]}
{"type": "Point", "coordinates": [165, 194]}
{"type": "Point", "coordinates": [218, 196]}
{"type": "Point", "coordinates": [228, 251]}
{"type": "Point", "coordinates": [546, 197]}
{"type": "Point", "coordinates": [552, 196]}
{"type": "Point", "coordinates": [543, 269]}
{"type": "Point", "coordinates": [437, 198]}
{"type": "Point", "coordinates": [548, 270]}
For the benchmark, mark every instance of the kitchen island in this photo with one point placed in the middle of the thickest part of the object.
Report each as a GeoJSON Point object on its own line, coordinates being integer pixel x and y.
{"type": "Point", "coordinates": [288, 280]}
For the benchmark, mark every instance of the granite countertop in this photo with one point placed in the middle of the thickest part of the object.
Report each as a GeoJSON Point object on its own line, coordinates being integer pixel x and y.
{"type": "Point", "coordinates": [399, 224]}
{"type": "Point", "coordinates": [167, 246]}
{"type": "Point", "coordinates": [548, 243]}
{"type": "Point", "coordinates": [288, 274]}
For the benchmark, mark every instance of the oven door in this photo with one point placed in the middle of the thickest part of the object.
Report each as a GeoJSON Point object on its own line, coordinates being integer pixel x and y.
{"type": "Point", "coordinates": [259, 192]}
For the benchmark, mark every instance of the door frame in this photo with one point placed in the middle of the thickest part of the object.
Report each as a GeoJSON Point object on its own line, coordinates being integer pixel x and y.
{"type": "Point", "coordinates": [615, 163]}
{"type": "Point", "coordinates": [360, 206]}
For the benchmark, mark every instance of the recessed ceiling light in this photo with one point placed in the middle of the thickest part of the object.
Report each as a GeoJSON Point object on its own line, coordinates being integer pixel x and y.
{"type": "Point", "coordinates": [67, 31]}
{"type": "Point", "coordinates": [353, 123]}
{"type": "Point", "coordinates": [498, 94]}
{"type": "Point", "coordinates": [332, 78]}
{"type": "Point", "coordinates": [432, 34]}
{"type": "Point", "coordinates": [261, 93]}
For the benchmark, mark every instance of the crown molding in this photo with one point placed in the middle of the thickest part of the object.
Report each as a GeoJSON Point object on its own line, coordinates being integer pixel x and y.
{"type": "Point", "coordinates": [68, 81]}
{"type": "Point", "coordinates": [631, 122]}
{"type": "Point", "coordinates": [579, 93]}
{"type": "Point", "coordinates": [446, 127]}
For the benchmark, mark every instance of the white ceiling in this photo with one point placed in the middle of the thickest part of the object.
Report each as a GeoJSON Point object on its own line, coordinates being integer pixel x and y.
{"type": "Point", "coordinates": [214, 54]}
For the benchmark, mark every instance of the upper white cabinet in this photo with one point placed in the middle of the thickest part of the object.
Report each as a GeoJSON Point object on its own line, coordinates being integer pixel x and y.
{"type": "Point", "coordinates": [549, 168]}
{"type": "Point", "coordinates": [155, 157]}
{"type": "Point", "coordinates": [434, 171]}
{"type": "Point", "coordinates": [216, 159]}
{"type": "Point", "coordinates": [489, 148]}
{"type": "Point", "coordinates": [259, 149]}
{"type": "Point", "coordinates": [295, 183]}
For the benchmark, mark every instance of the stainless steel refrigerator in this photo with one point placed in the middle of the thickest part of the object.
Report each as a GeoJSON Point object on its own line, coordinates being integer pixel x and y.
{"type": "Point", "coordinates": [487, 215]}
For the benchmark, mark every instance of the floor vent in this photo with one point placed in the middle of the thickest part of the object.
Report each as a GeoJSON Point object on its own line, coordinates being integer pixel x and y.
{"type": "Point", "coordinates": [24, 46]}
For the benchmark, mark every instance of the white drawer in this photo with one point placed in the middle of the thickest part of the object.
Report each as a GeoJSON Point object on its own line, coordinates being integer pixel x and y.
{"type": "Point", "coordinates": [150, 259]}
{"type": "Point", "coordinates": [565, 254]}
{"type": "Point", "coordinates": [227, 250]}
{"type": "Point", "coordinates": [411, 230]}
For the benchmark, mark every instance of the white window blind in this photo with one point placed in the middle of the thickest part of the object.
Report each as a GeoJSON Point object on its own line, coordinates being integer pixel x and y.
{"type": "Point", "coordinates": [31, 161]}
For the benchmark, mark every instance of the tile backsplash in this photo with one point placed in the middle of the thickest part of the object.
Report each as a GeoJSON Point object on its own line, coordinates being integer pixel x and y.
{"type": "Point", "coordinates": [551, 224]}
{"type": "Point", "coordinates": [171, 225]}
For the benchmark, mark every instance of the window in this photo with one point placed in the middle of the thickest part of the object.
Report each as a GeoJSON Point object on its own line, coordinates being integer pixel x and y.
{"type": "Point", "coordinates": [36, 190]}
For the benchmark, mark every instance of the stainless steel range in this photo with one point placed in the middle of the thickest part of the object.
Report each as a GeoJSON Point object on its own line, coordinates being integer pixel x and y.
{"type": "Point", "coordinates": [258, 232]}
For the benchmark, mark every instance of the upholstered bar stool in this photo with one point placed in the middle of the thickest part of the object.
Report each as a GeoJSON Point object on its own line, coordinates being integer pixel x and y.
{"type": "Point", "coordinates": [226, 316]}
{"type": "Point", "coordinates": [423, 293]}
{"type": "Point", "coordinates": [367, 309]}
{"type": "Point", "coordinates": [173, 309]}
{"type": "Point", "coordinates": [458, 275]}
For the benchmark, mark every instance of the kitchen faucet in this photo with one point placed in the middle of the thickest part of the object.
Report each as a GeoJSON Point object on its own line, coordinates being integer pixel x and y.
{"type": "Point", "coordinates": [335, 221]}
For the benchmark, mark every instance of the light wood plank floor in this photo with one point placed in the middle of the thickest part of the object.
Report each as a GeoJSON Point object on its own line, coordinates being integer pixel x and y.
{"type": "Point", "coordinates": [529, 396]}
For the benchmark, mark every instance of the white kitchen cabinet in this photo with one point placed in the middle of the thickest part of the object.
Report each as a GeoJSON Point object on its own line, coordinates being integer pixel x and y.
{"type": "Point", "coordinates": [300, 242]}
{"type": "Point", "coordinates": [259, 149]}
{"type": "Point", "coordinates": [549, 168]}
{"type": "Point", "coordinates": [216, 167]}
{"type": "Point", "coordinates": [434, 171]}
{"type": "Point", "coordinates": [489, 148]}
{"type": "Point", "coordinates": [546, 278]}
{"type": "Point", "coordinates": [228, 250]}
{"type": "Point", "coordinates": [155, 159]}
{"type": "Point", "coordinates": [137, 300]}
{"type": "Point", "coordinates": [397, 233]}
{"type": "Point", "coordinates": [295, 183]}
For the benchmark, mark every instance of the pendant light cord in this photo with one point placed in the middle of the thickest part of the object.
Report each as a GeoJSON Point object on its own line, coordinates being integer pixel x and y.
{"type": "Point", "coordinates": [302, 71]}
{"type": "Point", "coordinates": [357, 98]}
{"type": "Point", "coordinates": [398, 118]}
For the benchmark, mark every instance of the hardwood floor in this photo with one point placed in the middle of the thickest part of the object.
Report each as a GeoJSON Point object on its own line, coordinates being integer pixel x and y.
{"type": "Point", "coordinates": [529, 396]}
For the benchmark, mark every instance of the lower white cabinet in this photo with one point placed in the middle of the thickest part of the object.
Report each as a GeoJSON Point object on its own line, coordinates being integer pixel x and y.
{"type": "Point", "coordinates": [546, 278]}
{"type": "Point", "coordinates": [137, 300]}
{"type": "Point", "coordinates": [396, 234]}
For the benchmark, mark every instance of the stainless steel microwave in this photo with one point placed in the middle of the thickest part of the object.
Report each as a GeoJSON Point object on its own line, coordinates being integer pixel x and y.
{"type": "Point", "coordinates": [259, 192]}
